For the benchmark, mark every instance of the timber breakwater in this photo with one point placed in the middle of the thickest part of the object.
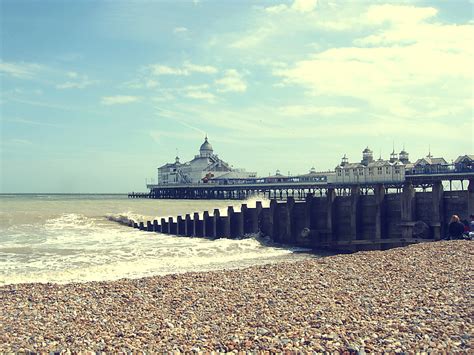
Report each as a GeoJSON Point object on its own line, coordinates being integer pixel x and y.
{"type": "Point", "coordinates": [355, 220]}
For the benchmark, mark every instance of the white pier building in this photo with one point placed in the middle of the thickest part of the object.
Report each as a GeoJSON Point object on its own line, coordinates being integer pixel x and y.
{"type": "Point", "coordinates": [205, 167]}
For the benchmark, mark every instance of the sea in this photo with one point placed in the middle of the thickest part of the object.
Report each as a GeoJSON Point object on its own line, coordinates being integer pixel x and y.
{"type": "Point", "coordinates": [64, 238]}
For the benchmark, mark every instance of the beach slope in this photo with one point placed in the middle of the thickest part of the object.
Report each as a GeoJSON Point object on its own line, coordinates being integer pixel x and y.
{"type": "Point", "coordinates": [417, 298]}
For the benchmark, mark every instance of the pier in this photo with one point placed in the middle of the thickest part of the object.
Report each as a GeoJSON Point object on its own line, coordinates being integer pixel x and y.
{"type": "Point", "coordinates": [297, 190]}
{"type": "Point", "coordinates": [338, 218]}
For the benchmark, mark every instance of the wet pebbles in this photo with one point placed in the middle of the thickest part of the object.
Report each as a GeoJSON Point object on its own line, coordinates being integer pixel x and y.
{"type": "Point", "coordinates": [417, 298]}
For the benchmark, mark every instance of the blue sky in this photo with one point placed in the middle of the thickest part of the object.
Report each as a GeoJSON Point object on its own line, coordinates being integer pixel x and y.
{"type": "Point", "coordinates": [95, 95]}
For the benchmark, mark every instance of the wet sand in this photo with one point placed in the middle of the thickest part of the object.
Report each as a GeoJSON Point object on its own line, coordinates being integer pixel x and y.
{"type": "Point", "coordinates": [417, 298]}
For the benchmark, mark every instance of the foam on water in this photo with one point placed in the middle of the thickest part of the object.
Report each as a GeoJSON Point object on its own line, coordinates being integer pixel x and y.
{"type": "Point", "coordinates": [67, 240]}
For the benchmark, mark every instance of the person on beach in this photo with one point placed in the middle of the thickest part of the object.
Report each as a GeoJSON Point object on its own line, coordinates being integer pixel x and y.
{"type": "Point", "coordinates": [455, 228]}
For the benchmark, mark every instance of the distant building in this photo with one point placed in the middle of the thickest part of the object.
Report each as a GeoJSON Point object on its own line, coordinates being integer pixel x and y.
{"type": "Point", "coordinates": [205, 167]}
{"type": "Point", "coordinates": [370, 170]}
{"type": "Point", "coordinates": [429, 165]}
{"type": "Point", "coordinates": [464, 163]}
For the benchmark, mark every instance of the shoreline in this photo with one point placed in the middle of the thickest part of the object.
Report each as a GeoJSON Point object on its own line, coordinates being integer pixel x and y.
{"type": "Point", "coordinates": [414, 298]}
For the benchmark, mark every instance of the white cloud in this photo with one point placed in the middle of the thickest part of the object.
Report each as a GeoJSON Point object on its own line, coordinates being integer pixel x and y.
{"type": "Point", "coordinates": [187, 69]}
{"type": "Point", "coordinates": [119, 100]}
{"type": "Point", "coordinates": [20, 70]}
{"type": "Point", "coordinates": [201, 95]}
{"type": "Point", "coordinates": [253, 38]}
{"type": "Point", "coordinates": [303, 110]}
{"type": "Point", "coordinates": [231, 82]}
{"type": "Point", "coordinates": [302, 6]}
{"type": "Point", "coordinates": [406, 65]}
{"type": "Point", "coordinates": [180, 30]}
{"type": "Point", "coordinates": [78, 82]}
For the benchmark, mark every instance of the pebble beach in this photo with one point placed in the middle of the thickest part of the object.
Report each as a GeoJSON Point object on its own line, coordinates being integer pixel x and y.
{"type": "Point", "coordinates": [413, 299]}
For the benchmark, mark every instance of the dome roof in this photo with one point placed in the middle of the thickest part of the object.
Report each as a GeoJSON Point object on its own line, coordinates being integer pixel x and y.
{"type": "Point", "coordinates": [403, 152]}
{"type": "Point", "coordinates": [367, 150]}
{"type": "Point", "coordinates": [206, 146]}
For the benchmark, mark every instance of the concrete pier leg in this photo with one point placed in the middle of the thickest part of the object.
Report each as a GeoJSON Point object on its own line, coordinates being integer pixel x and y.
{"type": "Point", "coordinates": [407, 210]}
{"type": "Point", "coordinates": [379, 211]}
{"type": "Point", "coordinates": [437, 216]}
{"type": "Point", "coordinates": [188, 225]}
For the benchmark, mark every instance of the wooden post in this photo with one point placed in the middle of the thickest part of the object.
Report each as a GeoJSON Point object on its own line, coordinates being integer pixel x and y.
{"type": "Point", "coordinates": [171, 226]}
{"type": "Point", "coordinates": [156, 226]}
{"type": "Point", "coordinates": [142, 226]}
{"type": "Point", "coordinates": [188, 225]}
{"type": "Point", "coordinates": [164, 226]}
{"type": "Point", "coordinates": [437, 216]}
{"type": "Point", "coordinates": [407, 210]}
{"type": "Point", "coordinates": [379, 210]}
{"type": "Point", "coordinates": [180, 226]}
{"type": "Point", "coordinates": [149, 226]}
{"type": "Point", "coordinates": [355, 213]}
{"type": "Point", "coordinates": [217, 224]}
{"type": "Point", "coordinates": [331, 214]}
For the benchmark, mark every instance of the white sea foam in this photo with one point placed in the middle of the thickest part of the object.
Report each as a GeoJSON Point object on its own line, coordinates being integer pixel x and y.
{"type": "Point", "coordinates": [70, 240]}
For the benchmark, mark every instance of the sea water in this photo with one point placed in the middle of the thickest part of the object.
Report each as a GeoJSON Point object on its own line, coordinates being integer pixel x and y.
{"type": "Point", "coordinates": [75, 238]}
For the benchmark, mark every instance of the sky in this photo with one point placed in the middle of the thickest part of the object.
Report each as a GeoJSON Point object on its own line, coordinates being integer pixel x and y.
{"type": "Point", "coordinates": [95, 95]}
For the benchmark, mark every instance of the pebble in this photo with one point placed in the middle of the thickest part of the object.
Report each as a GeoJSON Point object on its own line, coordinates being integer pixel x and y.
{"type": "Point", "coordinates": [414, 299]}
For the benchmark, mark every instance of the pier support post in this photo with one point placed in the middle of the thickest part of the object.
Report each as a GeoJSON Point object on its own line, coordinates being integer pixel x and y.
{"type": "Point", "coordinates": [379, 211]}
{"type": "Point", "coordinates": [438, 209]}
{"type": "Point", "coordinates": [407, 210]}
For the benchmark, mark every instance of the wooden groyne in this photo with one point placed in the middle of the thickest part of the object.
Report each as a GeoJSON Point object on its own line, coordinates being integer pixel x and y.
{"type": "Point", "coordinates": [354, 221]}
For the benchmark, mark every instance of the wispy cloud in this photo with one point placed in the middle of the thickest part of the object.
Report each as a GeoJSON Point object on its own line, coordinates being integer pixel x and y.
{"type": "Point", "coordinates": [79, 82]}
{"type": "Point", "coordinates": [119, 100]}
{"type": "Point", "coordinates": [232, 81]}
{"type": "Point", "coordinates": [186, 69]}
{"type": "Point", "coordinates": [20, 70]}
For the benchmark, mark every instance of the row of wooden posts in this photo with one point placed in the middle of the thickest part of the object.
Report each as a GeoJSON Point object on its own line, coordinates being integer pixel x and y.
{"type": "Point", "coordinates": [234, 225]}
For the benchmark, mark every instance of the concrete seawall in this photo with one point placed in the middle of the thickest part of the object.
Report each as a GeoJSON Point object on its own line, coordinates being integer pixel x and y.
{"type": "Point", "coordinates": [355, 221]}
